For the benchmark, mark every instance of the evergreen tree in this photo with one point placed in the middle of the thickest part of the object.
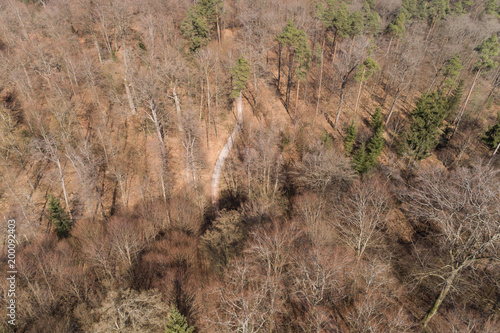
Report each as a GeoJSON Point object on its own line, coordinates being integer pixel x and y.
{"type": "Point", "coordinates": [426, 121]}
{"type": "Point", "coordinates": [487, 50]}
{"type": "Point", "coordinates": [241, 74]}
{"type": "Point", "coordinates": [202, 18]}
{"type": "Point", "coordinates": [451, 71]}
{"type": "Point", "coordinates": [356, 24]}
{"type": "Point", "coordinates": [491, 7]}
{"type": "Point", "coordinates": [195, 29]}
{"type": "Point", "coordinates": [397, 27]}
{"type": "Point", "coordinates": [176, 322]}
{"type": "Point", "coordinates": [372, 21]}
{"type": "Point", "coordinates": [409, 8]}
{"type": "Point", "coordinates": [350, 139]}
{"type": "Point", "coordinates": [376, 144]}
{"type": "Point", "coordinates": [58, 217]}
{"type": "Point", "coordinates": [365, 71]}
{"type": "Point", "coordinates": [360, 160]}
{"type": "Point", "coordinates": [455, 97]}
{"type": "Point", "coordinates": [492, 135]}
{"type": "Point", "coordinates": [299, 54]}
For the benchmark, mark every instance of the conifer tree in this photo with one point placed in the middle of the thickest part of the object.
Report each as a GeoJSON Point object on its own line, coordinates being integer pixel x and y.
{"type": "Point", "coordinates": [451, 71]}
{"type": "Point", "coordinates": [365, 71]}
{"type": "Point", "coordinates": [455, 97]}
{"type": "Point", "coordinates": [360, 159]}
{"type": "Point", "coordinates": [58, 217]}
{"type": "Point", "coordinates": [352, 133]}
{"type": "Point", "coordinates": [492, 135]}
{"type": "Point", "coordinates": [176, 322]}
{"type": "Point", "coordinates": [376, 144]}
{"type": "Point", "coordinates": [426, 121]}
{"type": "Point", "coordinates": [491, 7]}
{"type": "Point", "coordinates": [299, 55]}
{"type": "Point", "coordinates": [202, 18]}
{"type": "Point", "coordinates": [241, 74]}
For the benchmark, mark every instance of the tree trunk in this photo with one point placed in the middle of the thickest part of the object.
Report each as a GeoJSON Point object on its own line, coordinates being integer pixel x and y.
{"type": "Point", "coordinates": [359, 92]}
{"type": "Point", "coordinates": [177, 109]}
{"type": "Point", "coordinates": [496, 149]}
{"type": "Point", "coordinates": [340, 104]}
{"type": "Point", "coordinates": [320, 78]}
{"type": "Point", "coordinates": [392, 107]}
{"type": "Point", "coordinates": [442, 295]}
{"type": "Point", "coordinates": [296, 100]}
{"type": "Point", "coordinates": [279, 65]}
{"type": "Point", "coordinates": [289, 79]}
{"type": "Point", "coordinates": [462, 109]}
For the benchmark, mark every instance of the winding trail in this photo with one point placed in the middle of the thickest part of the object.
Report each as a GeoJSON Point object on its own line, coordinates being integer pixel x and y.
{"type": "Point", "coordinates": [219, 165]}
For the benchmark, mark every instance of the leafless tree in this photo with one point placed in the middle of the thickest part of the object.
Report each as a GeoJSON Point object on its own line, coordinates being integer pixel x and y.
{"type": "Point", "coordinates": [464, 208]}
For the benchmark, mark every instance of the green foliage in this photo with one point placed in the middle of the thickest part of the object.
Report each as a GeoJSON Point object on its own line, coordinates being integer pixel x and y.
{"type": "Point", "coordinates": [366, 69]}
{"type": "Point", "coordinates": [462, 6]}
{"type": "Point", "coordinates": [201, 18]}
{"type": "Point", "coordinates": [296, 40]}
{"type": "Point", "coordinates": [176, 322]}
{"type": "Point", "coordinates": [376, 144]}
{"type": "Point", "coordinates": [409, 8]}
{"type": "Point", "coordinates": [451, 71]}
{"type": "Point", "coordinates": [492, 135]}
{"type": "Point", "coordinates": [241, 74]}
{"type": "Point", "coordinates": [225, 238]}
{"type": "Point", "coordinates": [372, 21]}
{"type": "Point", "coordinates": [356, 24]}
{"type": "Point", "coordinates": [426, 121]}
{"type": "Point", "coordinates": [326, 140]}
{"type": "Point", "coordinates": [360, 160]}
{"type": "Point", "coordinates": [195, 29]}
{"type": "Point", "coordinates": [336, 18]}
{"type": "Point", "coordinates": [397, 26]}
{"type": "Point", "coordinates": [455, 97]}
{"type": "Point", "coordinates": [350, 139]}
{"type": "Point", "coordinates": [487, 50]}
{"type": "Point", "coordinates": [438, 9]}
{"type": "Point", "coordinates": [491, 7]}
{"type": "Point", "coordinates": [58, 217]}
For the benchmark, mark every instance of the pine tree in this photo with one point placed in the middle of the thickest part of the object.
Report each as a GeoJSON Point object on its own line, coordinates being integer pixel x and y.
{"type": "Point", "coordinates": [365, 71]}
{"type": "Point", "coordinates": [487, 50]}
{"type": "Point", "coordinates": [241, 74]}
{"type": "Point", "coordinates": [376, 144]}
{"type": "Point", "coordinates": [397, 27]}
{"type": "Point", "coordinates": [299, 55]}
{"type": "Point", "coordinates": [202, 18]}
{"type": "Point", "coordinates": [491, 7]}
{"type": "Point", "coordinates": [176, 322]}
{"type": "Point", "coordinates": [492, 135]}
{"type": "Point", "coordinates": [360, 159]}
{"type": "Point", "coordinates": [352, 134]}
{"type": "Point", "coordinates": [426, 121]}
{"type": "Point", "coordinates": [451, 71]}
{"type": "Point", "coordinates": [195, 29]}
{"type": "Point", "coordinates": [409, 8]}
{"type": "Point", "coordinates": [455, 97]}
{"type": "Point", "coordinates": [58, 217]}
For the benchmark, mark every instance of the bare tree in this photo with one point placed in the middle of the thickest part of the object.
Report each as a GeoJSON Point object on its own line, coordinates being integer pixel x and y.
{"type": "Point", "coordinates": [464, 208]}
{"type": "Point", "coordinates": [360, 215]}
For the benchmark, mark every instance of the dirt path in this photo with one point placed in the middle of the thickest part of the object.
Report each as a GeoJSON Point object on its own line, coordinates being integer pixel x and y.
{"type": "Point", "coordinates": [219, 165]}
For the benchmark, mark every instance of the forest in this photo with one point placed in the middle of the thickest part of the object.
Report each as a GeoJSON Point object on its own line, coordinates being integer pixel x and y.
{"type": "Point", "coordinates": [249, 166]}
